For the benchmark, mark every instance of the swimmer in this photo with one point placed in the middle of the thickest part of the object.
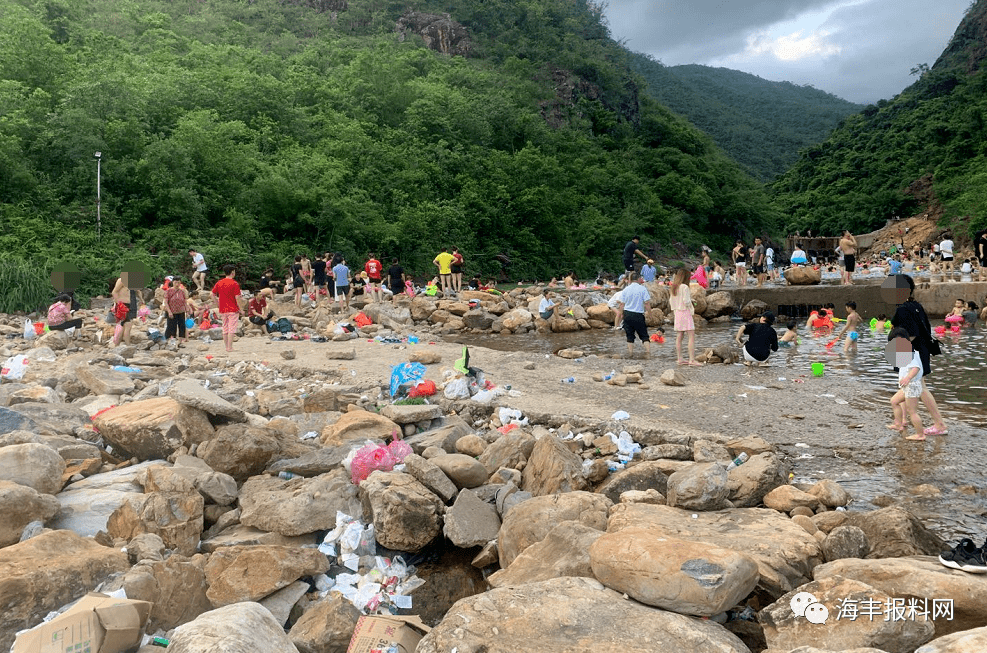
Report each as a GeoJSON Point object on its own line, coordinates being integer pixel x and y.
{"type": "Point", "coordinates": [851, 328]}
{"type": "Point", "coordinates": [790, 337]}
{"type": "Point", "coordinates": [820, 319]}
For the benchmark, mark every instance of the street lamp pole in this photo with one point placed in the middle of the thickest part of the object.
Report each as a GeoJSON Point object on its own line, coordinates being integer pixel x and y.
{"type": "Point", "coordinates": [99, 221]}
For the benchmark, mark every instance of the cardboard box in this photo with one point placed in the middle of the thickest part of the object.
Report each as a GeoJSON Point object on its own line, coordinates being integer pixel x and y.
{"type": "Point", "coordinates": [378, 631]}
{"type": "Point", "coordinates": [96, 624]}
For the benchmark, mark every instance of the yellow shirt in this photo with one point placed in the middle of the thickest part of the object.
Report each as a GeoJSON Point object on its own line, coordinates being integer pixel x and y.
{"type": "Point", "coordinates": [445, 261]}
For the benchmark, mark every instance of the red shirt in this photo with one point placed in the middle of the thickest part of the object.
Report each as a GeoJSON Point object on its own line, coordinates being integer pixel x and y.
{"type": "Point", "coordinates": [373, 268]}
{"type": "Point", "coordinates": [227, 290]}
{"type": "Point", "coordinates": [257, 306]}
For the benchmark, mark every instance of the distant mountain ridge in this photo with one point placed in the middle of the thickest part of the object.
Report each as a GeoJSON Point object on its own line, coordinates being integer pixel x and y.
{"type": "Point", "coordinates": [759, 123]}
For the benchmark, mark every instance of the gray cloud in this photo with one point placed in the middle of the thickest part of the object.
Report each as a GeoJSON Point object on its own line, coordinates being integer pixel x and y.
{"type": "Point", "coordinates": [879, 40]}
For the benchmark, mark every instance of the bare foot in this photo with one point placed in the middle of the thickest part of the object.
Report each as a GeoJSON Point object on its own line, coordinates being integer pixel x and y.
{"type": "Point", "coordinates": [915, 437]}
{"type": "Point", "coordinates": [896, 427]}
{"type": "Point", "coordinates": [695, 363]}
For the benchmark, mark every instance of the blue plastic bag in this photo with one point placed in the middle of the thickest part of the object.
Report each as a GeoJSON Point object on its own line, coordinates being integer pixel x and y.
{"type": "Point", "coordinates": [409, 373]}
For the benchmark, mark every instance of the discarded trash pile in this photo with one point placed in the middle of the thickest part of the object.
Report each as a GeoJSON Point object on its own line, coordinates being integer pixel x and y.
{"type": "Point", "coordinates": [285, 509]}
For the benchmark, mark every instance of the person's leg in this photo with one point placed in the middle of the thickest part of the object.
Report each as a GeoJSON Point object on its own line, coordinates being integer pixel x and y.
{"type": "Point", "coordinates": [180, 323]}
{"type": "Point", "coordinates": [126, 332]}
{"type": "Point", "coordinates": [932, 407]}
{"type": "Point", "coordinates": [171, 327]}
{"type": "Point", "coordinates": [898, 411]}
{"type": "Point", "coordinates": [647, 348]}
{"type": "Point", "coordinates": [298, 297]}
{"type": "Point", "coordinates": [692, 347]}
{"type": "Point", "coordinates": [911, 408]}
{"type": "Point", "coordinates": [678, 347]}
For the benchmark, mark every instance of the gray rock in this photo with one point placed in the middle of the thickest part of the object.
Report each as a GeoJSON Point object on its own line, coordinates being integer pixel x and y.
{"type": "Point", "coordinates": [300, 505]}
{"type": "Point", "coordinates": [509, 450]}
{"type": "Point", "coordinates": [189, 392]}
{"type": "Point", "coordinates": [563, 552]}
{"type": "Point", "coordinates": [667, 451]}
{"type": "Point", "coordinates": [672, 377]}
{"type": "Point", "coordinates": [86, 505]}
{"type": "Point", "coordinates": [750, 482]}
{"type": "Point", "coordinates": [462, 470]}
{"type": "Point", "coordinates": [431, 476]}
{"type": "Point", "coordinates": [319, 461]}
{"type": "Point", "coordinates": [405, 513]}
{"type": "Point", "coordinates": [643, 476]}
{"type": "Point", "coordinates": [845, 542]}
{"type": "Point", "coordinates": [701, 486]}
{"type": "Point", "coordinates": [103, 381]}
{"type": "Point", "coordinates": [21, 505]}
{"type": "Point", "coordinates": [411, 413]}
{"type": "Point", "coordinates": [471, 522]}
{"type": "Point", "coordinates": [445, 436]}
{"type": "Point", "coordinates": [35, 465]}
{"type": "Point", "coordinates": [281, 602]}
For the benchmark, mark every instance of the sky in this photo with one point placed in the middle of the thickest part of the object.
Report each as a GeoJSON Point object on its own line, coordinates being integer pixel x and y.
{"type": "Point", "coordinates": [859, 50]}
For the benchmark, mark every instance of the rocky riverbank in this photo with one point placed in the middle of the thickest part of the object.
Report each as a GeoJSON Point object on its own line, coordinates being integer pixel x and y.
{"type": "Point", "coordinates": [155, 470]}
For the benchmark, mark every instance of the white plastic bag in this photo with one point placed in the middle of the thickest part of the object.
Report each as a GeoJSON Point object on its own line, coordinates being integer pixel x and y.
{"type": "Point", "coordinates": [457, 389]}
{"type": "Point", "coordinates": [620, 415]}
{"type": "Point", "coordinates": [14, 367]}
{"type": "Point", "coordinates": [29, 330]}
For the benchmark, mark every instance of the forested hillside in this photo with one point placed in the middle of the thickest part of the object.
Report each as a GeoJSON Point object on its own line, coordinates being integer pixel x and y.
{"type": "Point", "coordinates": [935, 129]}
{"type": "Point", "coordinates": [759, 123]}
{"type": "Point", "coordinates": [256, 130]}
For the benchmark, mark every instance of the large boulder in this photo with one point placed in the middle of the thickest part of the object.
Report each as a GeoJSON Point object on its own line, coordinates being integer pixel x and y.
{"type": "Point", "coordinates": [700, 486]}
{"type": "Point", "coordinates": [719, 303]}
{"type": "Point", "coordinates": [552, 468]}
{"type": "Point", "coordinates": [845, 542]}
{"type": "Point", "coordinates": [103, 381]}
{"type": "Point", "coordinates": [249, 573]}
{"type": "Point", "coordinates": [357, 426]}
{"type": "Point", "coordinates": [511, 451]}
{"type": "Point", "coordinates": [20, 505]}
{"type": "Point", "coordinates": [471, 522]}
{"type": "Point", "coordinates": [175, 516]}
{"type": "Point", "coordinates": [691, 578]}
{"type": "Point", "coordinates": [563, 552]}
{"type": "Point", "coordinates": [326, 627]}
{"type": "Point", "coordinates": [516, 318]}
{"type": "Point", "coordinates": [406, 515]}
{"type": "Point", "coordinates": [830, 494]}
{"type": "Point", "coordinates": [189, 392]}
{"type": "Point", "coordinates": [566, 615]}
{"type": "Point", "coordinates": [531, 521]}
{"type": "Point", "coordinates": [802, 276]}
{"type": "Point", "coordinates": [87, 504]}
{"type": "Point", "coordinates": [894, 532]}
{"type": "Point", "coordinates": [33, 465]}
{"type": "Point", "coordinates": [750, 482]}
{"type": "Point", "coordinates": [239, 628]}
{"type": "Point", "coordinates": [785, 630]}
{"type": "Point", "coordinates": [411, 413]}
{"type": "Point", "coordinates": [300, 505]}
{"type": "Point", "coordinates": [47, 572]}
{"type": "Point", "coordinates": [786, 498]}
{"type": "Point", "coordinates": [239, 450]}
{"type": "Point", "coordinates": [785, 553]}
{"type": "Point", "coordinates": [153, 428]}
{"type": "Point", "coordinates": [966, 641]}
{"type": "Point", "coordinates": [430, 475]}
{"type": "Point", "coordinates": [465, 471]}
{"type": "Point", "coordinates": [176, 586]}
{"type": "Point", "coordinates": [923, 577]}
{"type": "Point", "coordinates": [642, 476]}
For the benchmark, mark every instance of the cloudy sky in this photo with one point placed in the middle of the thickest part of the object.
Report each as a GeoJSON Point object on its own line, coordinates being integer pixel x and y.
{"type": "Point", "coordinates": [860, 50]}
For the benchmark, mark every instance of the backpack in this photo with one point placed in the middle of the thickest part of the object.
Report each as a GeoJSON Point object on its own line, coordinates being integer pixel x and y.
{"type": "Point", "coordinates": [284, 325]}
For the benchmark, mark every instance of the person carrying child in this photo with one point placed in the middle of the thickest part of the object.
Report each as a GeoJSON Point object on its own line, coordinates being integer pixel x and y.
{"type": "Point", "coordinates": [905, 401]}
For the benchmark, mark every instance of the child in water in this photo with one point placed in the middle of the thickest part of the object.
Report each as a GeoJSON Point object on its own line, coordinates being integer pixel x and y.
{"type": "Point", "coordinates": [905, 401]}
{"type": "Point", "coordinates": [790, 338]}
{"type": "Point", "coordinates": [850, 328]}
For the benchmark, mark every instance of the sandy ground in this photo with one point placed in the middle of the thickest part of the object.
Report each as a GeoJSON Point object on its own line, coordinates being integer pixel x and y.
{"type": "Point", "coordinates": [832, 427]}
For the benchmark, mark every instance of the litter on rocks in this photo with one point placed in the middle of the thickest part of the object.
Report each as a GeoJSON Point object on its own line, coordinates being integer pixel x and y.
{"type": "Point", "coordinates": [373, 457]}
{"type": "Point", "coordinates": [14, 368]}
{"type": "Point", "coordinates": [620, 415]}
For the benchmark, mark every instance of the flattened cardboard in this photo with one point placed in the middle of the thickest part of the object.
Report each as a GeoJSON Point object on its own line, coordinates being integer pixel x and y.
{"type": "Point", "coordinates": [379, 631]}
{"type": "Point", "coordinates": [96, 624]}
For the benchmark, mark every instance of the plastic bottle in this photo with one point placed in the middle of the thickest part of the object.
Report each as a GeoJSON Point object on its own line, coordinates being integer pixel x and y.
{"type": "Point", "coordinates": [570, 379]}
{"type": "Point", "coordinates": [286, 475]}
{"type": "Point", "coordinates": [738, 461]}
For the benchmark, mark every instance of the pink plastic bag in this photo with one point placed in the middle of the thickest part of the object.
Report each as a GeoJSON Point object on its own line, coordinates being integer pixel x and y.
{"type": "Point", "coordinates": [374, 457]}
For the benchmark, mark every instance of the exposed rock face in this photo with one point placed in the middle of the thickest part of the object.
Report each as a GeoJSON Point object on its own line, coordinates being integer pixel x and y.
{"type": "Point", "coordinates": [21, 505]}
{"type": "Point", "coordinates": [236, 628]}
{"type": "Point", "coordinates": [802, 276]}
{"type": "Point", "coordinates": [177, 517]}
{"type": "Point", "coordinates": [471, 522]}
{"type": "Point", "coordinates": [249, 573]}
{"type": "Point", "coordinates": [552, 468]}
{"type": "Point", "coordinates": [326, 627]}
{"type": "Point", "coordinates": [239, 450]}
{"type": "Point", "coordinates": [430, 475]}
{"type": "Point", "coordinates": [406, 515]}
{"type": "Point", "coordinates": [189, 393]}
{"type": "Point", "coordinates": [700, 486]}
{"type": "Point", "coordinates": [563, 552]}
{"type": "Point", "coordinates": [440, 33]}
{"type": "Point", "coordinates": [750, 482]}
{"type": "Point", "coordinates": [570, 614]}
{"type": "Point", "coordinates": [357, 426]}
{"type": "Point", "coordinates": [153, 428]}
{"type": "Point", "coordinates": [529, 522]}
{"type": "Point", "coordinates": [297, 506]}
{"type": "Point", "coordinates": [47, 572]}
{"type": "Point", "coordinates": [685, 577]}
{"type": "Point", "coordinates": [176, 586]}
{"type": "Point", "coordinates": [894, 532]}
{"type": "Point", "coordinates": [643, 476]}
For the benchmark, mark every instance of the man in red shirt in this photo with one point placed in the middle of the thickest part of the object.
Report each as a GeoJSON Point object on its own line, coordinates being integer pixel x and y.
{"type": "Point", "coordinates": [227, 291]}
{"type": "Point", "coordinates": [373, 269]}
{"type": "Point", "coordinates": [257, 311]}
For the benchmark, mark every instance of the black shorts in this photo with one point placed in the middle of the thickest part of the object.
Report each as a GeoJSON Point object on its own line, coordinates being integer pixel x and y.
{"type": "Point", "coordinates": [256, 319]}
{"type": "Point", "coordinates": [634, 324]}
{"type": "Point", "coordinates": [757, 269]}
{"type": "Point", "coordinates": [947, 258]}
{"type": "Point", "coordinates": [628, 266]}
{"type": "Point", "coordinates": [342, 291]}
{"type": "Point", "coordinates": [374, 282]}
{"type": "Point", "coordinates": [849, 262]}
{"type": "Point", "coordinates": [319, 280]}
{"type": "Point", "coordinates": [396, 286]}
{"type": "Point", "coordinates": [456, 269]}
{"type": "Point", "coordinates": [983, 261]}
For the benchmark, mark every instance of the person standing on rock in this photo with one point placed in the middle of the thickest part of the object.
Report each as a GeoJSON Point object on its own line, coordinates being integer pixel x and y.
{"type": "Point", "coordinates": [630, 251]}
{"type": "Point", "coordinates": [456, 267]}
{"type": "Point", "coordinates": [636, 302]}
{"type": "Point", "coordinates": [227, 291]}
{"type": "Point", "coordinates": [373, 268]}
{"type": "Point", "coordinates": [848, 246]}
{"type": "Point", "coordinates": [911, 316]}
{"type": "Point", "coordinates": [199, 276]}
{"type": "Point", "coordinates": [946, 251]}
{"type": "Point", "coordinates": [680, 301]}
{"type": "Point", "coordinates": [443, 261]}
{"type": "Point", "coordinates": [176, 301]}
{"type": "Point", "coordinates": [341, 274]}
{"type": "Point", "coordinates": [395, 280]}
{"type": "Point", "coordinates": [759, 261]}
{"type": "Point", "coordinates": [739, 256]}
{"type": "Point", "coordinates": [124, 307]}
{"type": "Point", "coordinates": [762, 339]}
{"type": "Point", "coordinates": [649, 272]}
{"type": "Point", "coordinates": [319, 275]}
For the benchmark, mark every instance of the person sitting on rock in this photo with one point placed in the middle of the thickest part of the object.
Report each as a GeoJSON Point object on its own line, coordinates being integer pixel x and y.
{"type": "Point", "coordinates": [798, 255]}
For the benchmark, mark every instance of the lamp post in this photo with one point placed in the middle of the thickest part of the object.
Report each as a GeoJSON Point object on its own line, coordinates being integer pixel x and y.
{"type": "Point", "coordinates": [99, 221]}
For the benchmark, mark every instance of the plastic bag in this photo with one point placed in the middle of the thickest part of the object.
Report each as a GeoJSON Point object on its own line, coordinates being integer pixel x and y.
{"type": "Point", "coordinates": [29, 333]}
{"type": "Point", "coordinates": [457, 389]}
{"type": "Point", "coordinates": [14, 367]}
{"type": "Point", "coordinates": [620, 415]}
{"type": "Point", "coordinates": [361, 319]}
{"type": "Point", "coordinates": [374, 457]}
{"type": "Point", "coordinates": [512, 416]}
{"type": "Point", "coordinates": [409, 373]}
{"type": "Point", "coordinates": [424, 388]}
{"type": "Point", "coordinates": [626, 446]}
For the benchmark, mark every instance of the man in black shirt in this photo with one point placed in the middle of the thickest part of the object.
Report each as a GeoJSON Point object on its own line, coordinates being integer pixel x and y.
{"type": "Point", "coordinates": [630, 249]}
{"type": "Point", "coordinates": [762, 339]}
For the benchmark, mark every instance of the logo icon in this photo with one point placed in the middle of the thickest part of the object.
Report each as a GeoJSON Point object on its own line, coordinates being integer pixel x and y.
{"type": "Point", "coordinates": [801, 601]}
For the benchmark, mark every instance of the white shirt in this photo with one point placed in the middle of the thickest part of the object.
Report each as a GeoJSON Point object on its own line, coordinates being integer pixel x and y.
{"type": "Point", "coordinates": [769, 256]}
{"type": "Point", "coordinates": [545, 304]}
{"type": "Point", "coordinates": [966, 268]}
{"type": "Point", "coordinates": [634, 297]}
{"type": "Point", "coordinates": [616, 299]}
{"type": "Point", "coordinates": [798, 256]}
{"type": "Point", "coordinates": [946, 247]}
{"type": "Point", "coordinates": [200, 262]}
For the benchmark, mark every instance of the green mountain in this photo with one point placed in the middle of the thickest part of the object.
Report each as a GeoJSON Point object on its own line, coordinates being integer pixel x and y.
{"type": "Point", "coordinates": [760, 124]}
{"type": "Point", "coordinates": [881, 162]}
{"type": "Point", "coordinates": [252, 131]}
